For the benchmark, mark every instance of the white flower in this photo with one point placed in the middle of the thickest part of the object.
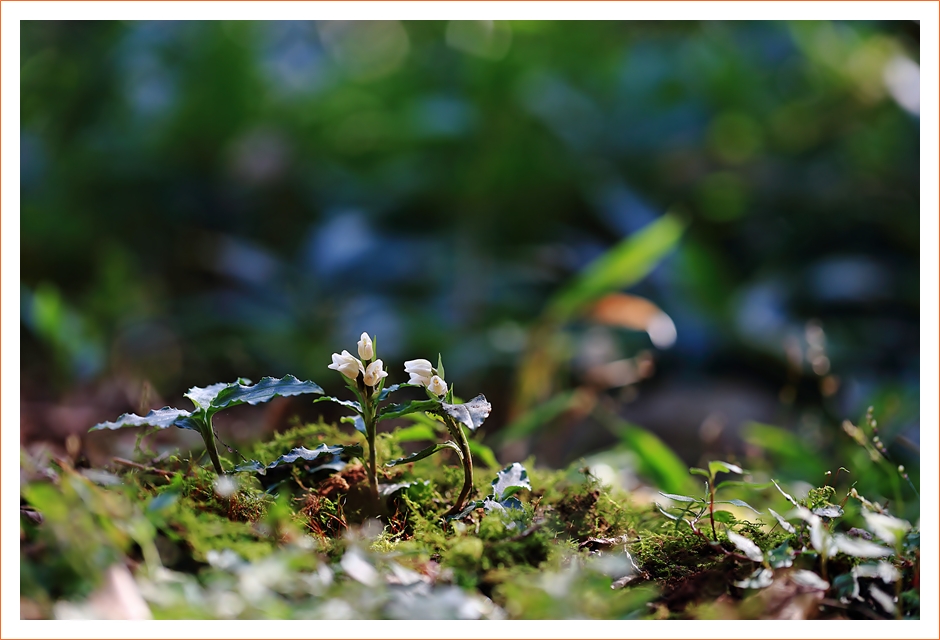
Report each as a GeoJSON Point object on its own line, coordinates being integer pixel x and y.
{"type": "Point", "coordinates": [346, 364]}
{"type": "Point", "coordinates": [374, 373]}
{"type": "Point", "coordinates": [420, 371]}
{"type": "Point", "coordinates": [365, 347]}
{"type": "Point", "coordinates": [437, 386]}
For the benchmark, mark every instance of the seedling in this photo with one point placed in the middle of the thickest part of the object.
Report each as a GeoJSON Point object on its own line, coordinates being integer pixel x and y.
{"type": "Point", "coordinates": [211, 400]}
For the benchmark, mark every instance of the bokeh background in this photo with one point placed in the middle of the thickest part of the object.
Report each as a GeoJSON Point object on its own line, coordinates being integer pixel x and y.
{"type": "Point", "coordinates": [208, 200]}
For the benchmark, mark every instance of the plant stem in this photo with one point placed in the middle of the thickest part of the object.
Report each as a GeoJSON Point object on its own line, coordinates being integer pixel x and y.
{"type": "Point", "coordinates": [457, 432]}
{"type": "Point", "coordinates": [209, 437]}
{"type": "Point", "coordinates": [711, 507]}
{"type": "Point", "coordinates": [368, 416]}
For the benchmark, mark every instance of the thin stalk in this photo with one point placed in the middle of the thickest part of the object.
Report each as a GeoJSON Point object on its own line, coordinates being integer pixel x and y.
{"type": "Point", "coordinates": [711, 507]}
{"type": "Point", "coordinates": [457, 432]}
{"type": "Point", "coordinates": [368, 416]}
{"type": "Point", "coordinates": [208, 437]}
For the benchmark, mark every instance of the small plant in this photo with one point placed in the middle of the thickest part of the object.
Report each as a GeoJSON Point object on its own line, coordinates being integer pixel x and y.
{"type": "Point", "coordinates": [365, 377]}
{"type": "Point", "coordinates": [698, 506]}
{"type": "Point", "coordinates": [209, 401]}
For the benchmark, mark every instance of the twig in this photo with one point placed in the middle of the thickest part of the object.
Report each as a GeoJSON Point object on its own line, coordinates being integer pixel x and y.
{"type": "Point", "coordinates": [142, 467]}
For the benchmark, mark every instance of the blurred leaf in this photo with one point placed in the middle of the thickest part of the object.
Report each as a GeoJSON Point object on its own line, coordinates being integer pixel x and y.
{"type": "Point", "coordinates": [783, 448]}
{"type": "Point", "coordinates": [785, 494]}
{"type": "Point", "coordinates": [760, 579]}
{"type": "Point", "coordinates": [738, 503]}
{"type": "Point", "coordinates": [725, 517]}
{"type": "Point", "coordinates": [745, 546]}
{"type": "Point", "coordinates": [789, 528]}
{"type": "Point", "coordinates": [356, 421]}
{"type": "Point", "coordinates": [678, 498]}
{"type": "Point", "coordinates": [623, 265]}
{"type": "Point", "coordinates": [536, 418]}
{"type": "Point", "coordinates": [717, 466]}
{"type": "Point", "coordinates": [656, 461]}
{"type": "Point", "coordinates": [859, 548]}
{"type": "Point", "coordinates": [414, 432]}
{"type": "Point", "coordinates": [828, 511]}
{"type": "Point", "coordinates": [483, 453]}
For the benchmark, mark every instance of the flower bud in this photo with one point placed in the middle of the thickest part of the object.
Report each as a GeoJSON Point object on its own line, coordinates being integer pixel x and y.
{"type": "Point", "coordinates": [346, 364]}
{"type": "Point", "coordinates": [437, 386]}
{"type": "Point", "coordinates": [374, 374]}
{"type": "Point", "coordinates": [365, 347]}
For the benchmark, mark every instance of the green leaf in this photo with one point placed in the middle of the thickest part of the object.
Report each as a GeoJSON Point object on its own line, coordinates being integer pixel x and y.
{"type": "Point", "coordinates": [789, 528]}
{"type": "Point", "coordinates": [387, 391]}
{"type": "Point", "coordinates": [440, 367]}
{"type": "Point", "coordinates": [623, 265]}
{"type": "Point", "coordinates": [398, 410]}
{"type": "Point", "coordinates": [483, 453]}
{"type": "Point", "coordinates": [680, 498]}
{"type": "Point", "coordinates": [781, 557]}
{"type": "Point", "coordinates": [470, 414]}
{"type": "Point", "coordinates": [536, 418]}
{"type": "Point", "coordinates": [267, 389]}
{"type": "Point", "coordinates": [352, 404]}
{"type": "Point", "coordinates": [656, 460]}
{"type": "Point", "coordinates": [202, 397]}
{"type": "Point", "coordinates": [424, 453]}
{"type": "Point", "coordinates": [663, 511]}
{"type": "Point", "coordinates": [158, 418]}
{"type": "Point", "coordinates": [717, 466]}
{"type": "Point", "coordinates": [357, 422]}
{"type": "Point", "coordinates": [414, 433]}
{"type": "Point", "coordinates": [745, 546]}
{"type": "Point", "coordinates": [738, 503]}
{"type": "Point", "coordinates": [699, 472]}
{"type": "Point", "coordinates": [785, 494]}
{"type": "Point", "coordinates": [304, 454]}
{"type": "Point", "coordinates": [509, 480]}
{"type": "Point", "coordinates": [725, 517]}
{"type": "Point", "coordinates": [471, 506]}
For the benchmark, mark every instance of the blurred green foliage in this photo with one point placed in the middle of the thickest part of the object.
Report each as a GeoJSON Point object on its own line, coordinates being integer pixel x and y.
{"type": "Point", "coordinates": [203, 200]}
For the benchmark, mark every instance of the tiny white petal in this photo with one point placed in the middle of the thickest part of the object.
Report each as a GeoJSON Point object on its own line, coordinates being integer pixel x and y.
{"type": "Point", "coordinates": [437, 386]}
{"type": "Point", "coordinates": [365, 346]}
{"type": "Point", "coordinates": [346, 364]}
{"type": "Point", "coordinates": [374, 373]}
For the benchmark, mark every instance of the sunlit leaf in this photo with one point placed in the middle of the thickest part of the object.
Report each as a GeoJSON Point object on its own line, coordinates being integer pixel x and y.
{"type": "Point", "coordinates": [267, 389]}
{"type": "Point", "coordinates": [483, 453]}
{"type": "Point", "coordinates": [745, 546]}
{"type": "Point", "coordinates": [888, 528]}
{"type": "Point", "coordinates": [738, 503]}
{"type": "Point", "coordinates": [202, 397]}
{"type": "Point", "coordinates": [828, 511]}
{"type": "Point", "coordinates": [356, 421]}
{"type": "Point", "coordinates": [680, 498]}
{"type": "Point", "coordinates": [621, 266]}
{"type": "Point", "coordinates": [699, 472]}
{"type": "Point", "coordinates": [859, 548]}
{"type": "Point", "coordinates": [717, 466]}
{"type": "Point", "coordinates": [785, 494]}
{"type": "Point", "coordinates": [158, 418]}
{"type": "Point", "coordinates": [760, 579]}
{"type": "Point", "coordinates": [536, 418]}
{"type": "Point", "coordinates": [725, 517]}
{"type": "Point", "coordinates": [809, 579]}
{"type": "Point", "coordinates": [303, 454]}
{"type": "Point", "coordinates": [387, 391]}
{"type": "Point", "coordinates": [509, 480]}
{"type": "Point", "coordinates": [424, 453]}
{"type": "Point", "coordinates": [414, 433]}
{"type": "Point", "coordinates": [471, 414]}
{"type": "Point", "coordinates": [789, 528]}
{"type": "Point", "coordinates": [398, 410]}
{"type": "Point", "coordinates": [655, 459]}
{"type": "Point", "coordinates": [352, 404]}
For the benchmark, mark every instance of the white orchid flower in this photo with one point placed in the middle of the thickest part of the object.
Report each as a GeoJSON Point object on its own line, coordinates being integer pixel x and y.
{"type": "Point", "coordinates": [347, 364]}
{"type": "Point", "coordinates": [420, 371]}
{"type": "Point", "coordinates": [373, 373]}
{"type": "Point", "coordinates": [437, 386]}
{"type": "Point", "coordinates": [365, 347]}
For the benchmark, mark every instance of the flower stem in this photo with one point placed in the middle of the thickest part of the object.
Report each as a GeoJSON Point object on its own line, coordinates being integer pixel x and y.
{"type": "Point", "coordinates": [368, 416]}
{"type": "Point", "coordinates": [209, 437]}
{"type": "Point", "coordinates": [457, 432]}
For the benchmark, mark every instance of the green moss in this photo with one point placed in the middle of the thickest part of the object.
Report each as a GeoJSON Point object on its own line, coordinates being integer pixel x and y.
{"type": "Point", "coordinates": [820, 497]}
